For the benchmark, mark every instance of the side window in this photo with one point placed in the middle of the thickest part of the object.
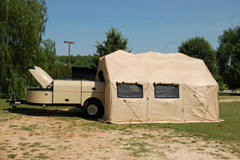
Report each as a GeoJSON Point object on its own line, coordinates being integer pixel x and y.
{"type": "Point", "coordinates": [166, 91]}
{"type": "Point", "coordinates": [129, 90]}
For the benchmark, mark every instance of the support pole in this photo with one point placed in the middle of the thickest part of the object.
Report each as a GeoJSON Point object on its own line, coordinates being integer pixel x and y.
{"type": "Point", "coordinates": [69, 60]}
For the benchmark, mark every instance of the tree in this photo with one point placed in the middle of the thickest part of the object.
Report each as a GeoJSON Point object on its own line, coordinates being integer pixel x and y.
{"type": "Point", "coordinates": [89, 61]}
{"type": "Point", "coordinates": [228, 57]}
{"type": "Point", "coordinates": [198, 47]}
{"type": "Point", "coordinates": [22, 24]}
{"type": "Point", "coordinates": [49, 54]}
{"type": "Point", "coordinates": [115, 41]}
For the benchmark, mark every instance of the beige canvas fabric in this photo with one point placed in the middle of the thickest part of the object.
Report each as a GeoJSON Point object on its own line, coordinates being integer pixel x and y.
{"type": "Point", "coordinates": [198, 90]}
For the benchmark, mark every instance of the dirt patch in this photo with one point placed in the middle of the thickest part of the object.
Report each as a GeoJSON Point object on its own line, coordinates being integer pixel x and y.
{"type": "Point", "coordinates": [46, 137]}
{"type": "Point", "coordinates": [229, 100]}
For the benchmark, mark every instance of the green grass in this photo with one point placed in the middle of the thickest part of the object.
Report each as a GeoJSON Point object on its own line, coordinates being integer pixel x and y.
{"type": "Point", "coordinates": [100, 126]}
{"type": "Point", "coordinates": [228, 94]}
{"type": "Point", "coordinates": [36, 144]}
{"type": "Point", "coordinates": [41, 156]}
{"type": "Point", "coordinates": [13, 126]}
{"type": "Point", "coordinates": [224, 96]}
{"type": "Point", "coordinates": [52, 149]}
{"type": "Point", "coordinates": [228, 131]}
{"type": "Point", "coordinates": [30, 127]}
{"type": "Point", "coordinates": [12, 156]}
{"type": "Point", "coordinates": [5, 105]}
{"type": "Point", "coordinates": [4, 114]}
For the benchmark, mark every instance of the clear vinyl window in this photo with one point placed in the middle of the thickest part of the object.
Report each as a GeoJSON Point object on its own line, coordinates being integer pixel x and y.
{"type": "Point", "coordinates": [166, 91]}
{"type": "Point", "coordinates": [129, 90]}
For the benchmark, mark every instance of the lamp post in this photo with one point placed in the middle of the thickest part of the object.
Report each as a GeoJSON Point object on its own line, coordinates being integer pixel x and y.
{"type": "Point", "coordinates": [69, 42]}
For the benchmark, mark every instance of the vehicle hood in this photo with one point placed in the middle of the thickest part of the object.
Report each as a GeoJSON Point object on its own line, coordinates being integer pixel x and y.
{"type": "Point", "coordinates": [41, 76]}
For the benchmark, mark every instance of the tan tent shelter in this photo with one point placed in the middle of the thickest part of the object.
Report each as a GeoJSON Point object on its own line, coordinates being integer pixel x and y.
{"type": "Point", "coordinates": [157, 88]}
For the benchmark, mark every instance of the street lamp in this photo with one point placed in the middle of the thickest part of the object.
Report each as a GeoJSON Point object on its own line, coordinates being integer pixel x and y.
{"type": "Point", "coordinates": [69, 42]}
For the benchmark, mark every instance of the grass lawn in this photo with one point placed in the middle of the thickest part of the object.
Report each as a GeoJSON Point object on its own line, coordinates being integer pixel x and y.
{"type": "Point", "coordinates": [225, 96]}
{"type": "Point", "coordinates": [228, 131]}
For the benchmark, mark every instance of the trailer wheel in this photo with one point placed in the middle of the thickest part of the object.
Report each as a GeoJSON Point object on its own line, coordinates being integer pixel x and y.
{"type": "Point", "coordinates": [93, 108]}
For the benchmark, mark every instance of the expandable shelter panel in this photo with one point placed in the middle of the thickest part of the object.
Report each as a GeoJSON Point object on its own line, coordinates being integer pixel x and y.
{"type": "Point", "coordinates": [201, 103]}
{"type": "Point", "coordinates": [166, 109]}
{"type": "Point", "coordinates": [127, 109]}
{"type": "Point", "coordinates": [148, 108]}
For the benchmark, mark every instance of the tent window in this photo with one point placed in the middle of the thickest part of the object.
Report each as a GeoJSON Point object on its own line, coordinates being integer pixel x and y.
{"type": "Point", "coordinates": [166, 91]}
{"type": "Point", "coordinates": [129, 90]}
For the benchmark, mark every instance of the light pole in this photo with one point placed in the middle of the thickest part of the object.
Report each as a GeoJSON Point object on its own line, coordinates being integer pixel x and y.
{"type": "Point", "coordinates": [69, 42]}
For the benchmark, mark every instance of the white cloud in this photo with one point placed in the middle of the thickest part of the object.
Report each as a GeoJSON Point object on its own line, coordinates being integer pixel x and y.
{"type": "Point", "coordinates": [84, 29]}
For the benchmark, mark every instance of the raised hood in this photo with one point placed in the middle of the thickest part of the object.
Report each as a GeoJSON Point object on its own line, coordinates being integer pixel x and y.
{"type": "Point", "coordinates": [41, 76]}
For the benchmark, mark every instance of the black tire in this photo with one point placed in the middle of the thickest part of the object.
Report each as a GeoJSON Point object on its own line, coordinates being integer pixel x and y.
{"type": "Point", "coordinates": [93, 108]}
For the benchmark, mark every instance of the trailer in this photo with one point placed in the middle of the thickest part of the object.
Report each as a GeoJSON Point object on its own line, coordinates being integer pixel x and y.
{"type": "Point", "coordinates": [88, 95]}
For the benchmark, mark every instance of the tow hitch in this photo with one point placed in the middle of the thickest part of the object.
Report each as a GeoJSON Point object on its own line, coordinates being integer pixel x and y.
{"type": "Point", "coordinates": [14, 102]}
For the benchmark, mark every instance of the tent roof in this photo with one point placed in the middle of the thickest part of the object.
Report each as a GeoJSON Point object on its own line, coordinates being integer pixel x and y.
{"type": "Point", "coordinates": [122, 66]}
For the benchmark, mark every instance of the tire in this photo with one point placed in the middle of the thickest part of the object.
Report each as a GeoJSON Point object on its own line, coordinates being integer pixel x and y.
{"type": "Point", "coordinates": [93, 108]}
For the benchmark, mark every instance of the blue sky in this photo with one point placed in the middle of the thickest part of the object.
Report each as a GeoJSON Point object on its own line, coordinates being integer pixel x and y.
{"type": "Point", "coordinates": [150, 25]}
